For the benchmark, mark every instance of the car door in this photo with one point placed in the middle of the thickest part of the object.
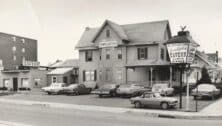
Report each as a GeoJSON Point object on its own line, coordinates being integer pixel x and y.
{"type": "Point", "coordinates": [147, 100]}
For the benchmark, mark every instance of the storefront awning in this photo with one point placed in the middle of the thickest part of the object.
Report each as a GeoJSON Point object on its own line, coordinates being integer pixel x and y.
{"type": "Point", "coordinates": [60, 71]}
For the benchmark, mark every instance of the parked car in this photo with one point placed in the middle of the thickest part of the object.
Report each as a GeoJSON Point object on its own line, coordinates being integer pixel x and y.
{"type": "Point", "coordinates": [151, 99]}
{"type": "Point", "coordinates": [205, 90]}
{"type": "Point", "coordinates": [54, 88]}
{"type": "Point", "coordinates": [163, 89]}
{"type": "Point", "coordinates": [76, 89]}
{"type": "Point", "coordinates": [107, 89]}
{"type": "Point", "coordinates": [131, 90]}
{"type": "Point", "coordinates": [90, 84]}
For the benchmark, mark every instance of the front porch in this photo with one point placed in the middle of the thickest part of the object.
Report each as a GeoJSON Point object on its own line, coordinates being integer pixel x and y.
{"type": "Point", "coordinates": [150, 75]}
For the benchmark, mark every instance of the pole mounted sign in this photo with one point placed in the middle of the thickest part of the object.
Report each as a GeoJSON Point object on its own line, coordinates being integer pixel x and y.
{"type": "Point", "coordinates": [181, 52]}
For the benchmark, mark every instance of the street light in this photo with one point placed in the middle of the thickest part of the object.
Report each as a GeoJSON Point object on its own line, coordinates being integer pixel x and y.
{"type": "Point", "coordinates": [181, 50]}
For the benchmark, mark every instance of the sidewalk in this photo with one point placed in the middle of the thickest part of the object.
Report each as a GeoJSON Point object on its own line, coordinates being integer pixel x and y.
{"type": "Point", "coordinates": [214, 108]}
{"type": "Point", "coordinates": [6, 123]}
{"type": "Point", "coordinates": [205, 114]}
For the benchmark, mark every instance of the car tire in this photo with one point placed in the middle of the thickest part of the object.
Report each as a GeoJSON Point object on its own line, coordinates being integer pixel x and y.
{"type": "Point", "coordinates": [137, 105]}
{"type": "Point", "coordinates": [195, 97]}
{"type": "Point", "coordinates": [100, 95]}
{"type": "Point", "coordinates": [164, 105]}
{"type": "Point", "coordinates": [49, 93]}
{"type": "Point", "coordinates": [212, 97]}
{"type": "Point", "coordinates": [113, 94]}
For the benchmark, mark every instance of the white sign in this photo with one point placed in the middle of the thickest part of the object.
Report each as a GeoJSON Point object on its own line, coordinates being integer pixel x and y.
{"type": "Point", "coordinates": [30, 63]}
{"type": "Point", "coordinates": [108, 44]}
{"type": "Point", "coordinates": [181, 52]}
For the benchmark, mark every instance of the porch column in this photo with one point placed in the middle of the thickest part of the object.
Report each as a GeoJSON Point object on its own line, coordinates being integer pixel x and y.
{"type": "Point", "coordinates": [171, 74]}
{"type": "Point", "coordinates": [151, 76]}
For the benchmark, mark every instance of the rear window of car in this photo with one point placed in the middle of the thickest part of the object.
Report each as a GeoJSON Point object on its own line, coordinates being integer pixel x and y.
{"type": "Point", "coordinates": [206, 87]}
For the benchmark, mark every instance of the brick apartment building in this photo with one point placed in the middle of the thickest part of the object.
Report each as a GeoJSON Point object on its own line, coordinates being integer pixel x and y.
{"type": "Point", "coordinates": [132, 53]}
{"type": "Point", "coordinates": [19, 63]}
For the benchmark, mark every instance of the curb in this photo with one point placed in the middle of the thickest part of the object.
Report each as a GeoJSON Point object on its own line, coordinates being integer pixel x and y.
{"type": "Point", "coordinates": [143, 112]}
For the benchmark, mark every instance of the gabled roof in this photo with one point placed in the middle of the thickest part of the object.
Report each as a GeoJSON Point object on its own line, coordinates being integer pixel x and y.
{"type": "Point", "coordinates": [115, 27]}
{"type": "Point", "coordinates": [66, 63]}
{"type": "Point", "coordinates": [59, 71]}
{"type": "Point", "coordinates": [145, 33]}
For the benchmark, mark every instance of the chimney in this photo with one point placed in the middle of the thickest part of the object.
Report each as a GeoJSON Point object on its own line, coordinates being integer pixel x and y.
{"type": "Point", "coordinates": [183, 33]}
{"type": "Point", "coordinates": [87, 28]}
{"type": "Point", "coordinates": [217, 58]}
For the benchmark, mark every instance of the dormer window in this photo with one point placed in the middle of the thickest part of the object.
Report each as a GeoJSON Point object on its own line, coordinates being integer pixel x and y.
{"type": "Point", "coordinates": [107, 33]}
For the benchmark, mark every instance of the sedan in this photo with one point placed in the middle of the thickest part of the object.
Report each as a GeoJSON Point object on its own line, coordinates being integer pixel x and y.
{"type": "Point", "coordinates": [54, 88]}
{"type": "Point", "coordinates": [76, 89]}
{"type": "Point", "coordinates": [163, 89]}
{"type": "Point", "coordinates": [150, 99]}
{"type": "Point", "coordinates": [107, 89]}
{"type": "Point", "coordinates": [205, 90]}
{"type": "Point", "coordinates": [131, 90]}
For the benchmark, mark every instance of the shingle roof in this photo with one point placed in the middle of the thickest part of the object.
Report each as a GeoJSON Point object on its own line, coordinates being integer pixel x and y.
{"type": "Point", "coordinates": [59, 71]}
{"type": "Point", "coordinates": [145, 33]}
{"type": "Point", "coordinates": [67, 63]}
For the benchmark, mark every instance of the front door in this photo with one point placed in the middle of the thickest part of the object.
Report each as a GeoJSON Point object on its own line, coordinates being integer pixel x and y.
{"type": "Point", "coordinates": [15, 84]}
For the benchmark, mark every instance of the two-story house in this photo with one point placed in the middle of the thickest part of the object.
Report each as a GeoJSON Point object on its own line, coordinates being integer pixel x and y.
{"type": "Point", "coordinates": [128, 53]}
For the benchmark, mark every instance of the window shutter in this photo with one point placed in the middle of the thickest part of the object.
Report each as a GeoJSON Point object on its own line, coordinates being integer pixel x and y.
{"type": "Point", "coordinates": [138, 53]}
{"type": "Point", "coordinates": [95, 75]}
{"type": "Point", "coordinates": [84, 75]}
{"type": "Point", "coordinates": [145, 53]}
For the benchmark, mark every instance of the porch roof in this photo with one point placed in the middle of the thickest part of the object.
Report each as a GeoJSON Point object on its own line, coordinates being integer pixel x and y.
{"type": "Point", "coordinates": [143, 63]}
{"type": "Point", "coordinates": [60, 71]}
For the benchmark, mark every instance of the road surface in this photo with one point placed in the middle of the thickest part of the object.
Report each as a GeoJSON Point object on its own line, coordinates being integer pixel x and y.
{"type": "Point", "coordinates": [38, 115]}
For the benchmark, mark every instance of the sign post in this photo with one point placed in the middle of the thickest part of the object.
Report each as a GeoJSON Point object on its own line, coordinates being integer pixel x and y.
{"type": "Point", "coordinates": [182, 54]}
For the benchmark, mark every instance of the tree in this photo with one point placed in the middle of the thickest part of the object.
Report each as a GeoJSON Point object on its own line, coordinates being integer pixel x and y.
{"type": "Point", "coordinates": [205, 78]}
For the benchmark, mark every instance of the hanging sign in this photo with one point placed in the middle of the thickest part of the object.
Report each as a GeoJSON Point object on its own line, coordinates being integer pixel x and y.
{"type": "Point", "coordinates": [181, 52]}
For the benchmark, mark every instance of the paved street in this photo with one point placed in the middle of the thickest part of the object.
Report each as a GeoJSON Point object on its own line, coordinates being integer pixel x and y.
{"type": "Point", "coordinates": [94, 100]}
{"type": "Point", "coordinates": [43, 116]}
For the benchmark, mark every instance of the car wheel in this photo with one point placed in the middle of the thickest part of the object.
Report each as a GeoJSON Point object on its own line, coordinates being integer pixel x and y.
{"type": "Point", "coordinates": [76, 93]}
{"type": "Point", "coordinates": [164, 105]}
{"type": "Point", "coordinates": [137, 105]}
{"type": "Point", "coordinates": [212, 97]}
{"type": "Point", "coordinates": [100, 95]}
{"type": "Point", "coordinates": [49, 93]}
{"type": "Point", "coordinates": [113, 94]}
{"type": "Point", "coordinates": [195, 97]}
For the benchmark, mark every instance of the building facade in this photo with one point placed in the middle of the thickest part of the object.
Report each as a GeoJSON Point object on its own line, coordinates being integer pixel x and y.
{"type": "Point", "coordinates": [14, 50]}
{"type": "Point", "coordinates": [124, 54]}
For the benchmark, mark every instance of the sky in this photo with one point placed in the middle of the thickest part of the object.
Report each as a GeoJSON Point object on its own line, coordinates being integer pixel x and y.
{"type": "Point", "coordinates": [59, 24]}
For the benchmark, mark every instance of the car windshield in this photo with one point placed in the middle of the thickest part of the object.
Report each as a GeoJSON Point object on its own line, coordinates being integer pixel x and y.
{"type": "Point", "coordinates": [157, 95]}
{"type": "Point", "coordinates": [108, 86]}
{"type": "Point", "coordinates": [56, 85]}
{"type": "Point", "coordinates": [72, 85]}
{"type": "Point", "coordinates": [206, 87]}
{"type": "Point", "coordinates": [160, 86]}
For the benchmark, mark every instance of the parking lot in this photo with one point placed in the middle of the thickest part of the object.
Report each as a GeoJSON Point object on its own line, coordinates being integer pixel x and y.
{"type": "Point", "coordinates": [91, 99]}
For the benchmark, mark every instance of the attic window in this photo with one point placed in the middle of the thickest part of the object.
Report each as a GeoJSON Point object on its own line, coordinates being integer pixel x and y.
{"type": "Point", "coordinates": [107, 33]}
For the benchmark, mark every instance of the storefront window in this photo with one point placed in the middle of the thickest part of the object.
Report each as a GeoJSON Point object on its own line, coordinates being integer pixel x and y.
{"type": "Point", "coordinates": [24, 82]}
{"type": "Point", "coordinates": [90, 76]}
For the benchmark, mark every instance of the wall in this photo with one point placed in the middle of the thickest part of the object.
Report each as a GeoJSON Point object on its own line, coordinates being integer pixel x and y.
{"type": "Point", "coordinates": [6, 45]}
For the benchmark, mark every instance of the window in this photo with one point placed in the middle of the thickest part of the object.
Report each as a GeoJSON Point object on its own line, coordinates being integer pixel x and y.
{"type": "Point", "coordinates": [89, 75]}
{"type": "Point", "coordinates": [23, 40]}
{"type": "Point", "coordinates": [6, 82]}
{"type": "Point", "coordinates": [119, 53]}
{"type": "Point", "coordinates": [14, 58]}
{"type": "Point", "coordinates": [14, 48]}
{"type": "Point", "coordinates": [107, 53]}
{"type": "Point", "coordinates": [24, 82]}
{"type": "Point", "coordinates": [89, 55]}
{"type": "Point", "coordinates": [13, 38]}
{"type": "Point", "coordinates": [23, 50]}
{"type": "Point", "coordinates": [54, 79]}
{"type": "Point", "coordinates": [119, 74]}
{"type": "Point", "coordinates": [162, 53]}
{"type": "Point", "coordinates": [142, 53]}
{"type": "Point", "coordinates": [108, 75]}
{"type": "Point", "coordinates": [107, 33]}
{"type": "Point", "coordinates": [100, 54]}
